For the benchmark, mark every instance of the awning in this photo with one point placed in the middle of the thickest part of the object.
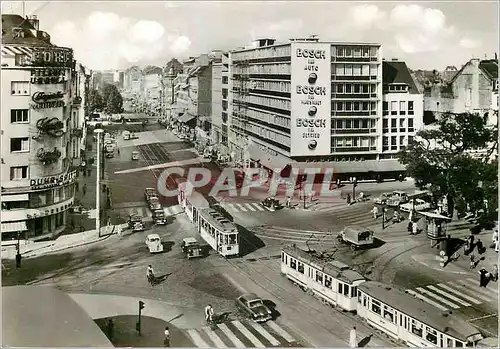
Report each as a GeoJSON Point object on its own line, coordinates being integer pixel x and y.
{"type": "Point", "coordinates": [272, 162]}
{"type": "Point", "coordinates": [14, 226]}
{"type": "Point", "coordinates": [18, 197]}
{"type": "Point", "coordinates": [186, 117]}
{"type": "Point", "coordinates": [344, 167]}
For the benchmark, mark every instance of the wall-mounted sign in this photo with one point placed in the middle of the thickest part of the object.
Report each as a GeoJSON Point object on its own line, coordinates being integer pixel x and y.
{"type": "Point", "coordinates": [44, 100]}
{"type": "Point", "coordinates": [311, 99]}
{"type": "Point", "coordinates": [51, 57]}
{"type": "Point", "coordinates": [53, 181]}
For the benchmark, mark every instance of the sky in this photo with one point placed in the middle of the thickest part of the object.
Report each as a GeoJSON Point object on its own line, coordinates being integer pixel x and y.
{"type": "Point", "coordinates": [119, 34]}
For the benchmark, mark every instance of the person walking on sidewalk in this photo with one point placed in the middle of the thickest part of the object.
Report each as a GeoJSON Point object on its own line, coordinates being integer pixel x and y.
{"type": "Point", "coordinates": [84, 189]}
{"type": "Point", "coordinates": [375, 212]}
{"type": "Point", "coordinates": [472, 260]}
{"type": "Point", "coordinates": [414, 228]}
{"type": "Point", "coordinates": [166, 339]}
{"type": "Point", "coordinates": [288, 199]}
{"type": "Point", "coordinates": [150, 275]}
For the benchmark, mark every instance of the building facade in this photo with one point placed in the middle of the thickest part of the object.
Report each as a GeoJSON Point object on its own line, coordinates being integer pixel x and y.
{"type": "Point", "coordinates": [402, 108]}
{"type": "Point", "coordinates": [132, 80]}
{"type": "Point", "coordinates": [306, 101]}
{"type": "Point", "coordinates": [220, 94]}
{"type": "Point", "coordinates": [40, 107]}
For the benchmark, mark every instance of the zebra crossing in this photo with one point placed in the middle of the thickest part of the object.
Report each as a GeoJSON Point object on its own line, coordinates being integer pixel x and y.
{"type": "Point", "coordinates": [245, 207]}
{"type": "Point", "coordinates": [456, 294]}
{"type": "Point", "coordinates": [241, 334]}
{"type": "Point", "coordinates": [145, 212]}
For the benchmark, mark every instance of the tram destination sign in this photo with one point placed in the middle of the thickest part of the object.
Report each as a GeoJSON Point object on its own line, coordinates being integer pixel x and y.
{"type": "Point", "coordinates": [51, 57]}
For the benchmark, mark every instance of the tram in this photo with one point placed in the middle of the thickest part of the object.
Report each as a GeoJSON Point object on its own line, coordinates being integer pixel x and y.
{"type": "Point", "coordinates": [216, 230]}
{"type": "Point", "coordinates": [390, 310]}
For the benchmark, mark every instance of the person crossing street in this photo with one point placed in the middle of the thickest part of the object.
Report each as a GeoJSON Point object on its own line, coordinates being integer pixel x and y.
{"type": "Point", "coordinates": [150, 275]}
{"type": "Point", "coordinates": [209, 313]}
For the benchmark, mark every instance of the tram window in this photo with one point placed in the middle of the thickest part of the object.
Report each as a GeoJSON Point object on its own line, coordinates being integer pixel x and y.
{"type": "Point", "coordinates": [359, 297]}
{"type": "Point", "coordinates": [406, 323]}
{"type": "Point", "coordinates": [286, 259]}
{"type": "Point", "coordinates": [232, 239]}
{"type": "Point", "coordinates": [388, 314]}
{"type": "Point", "coordinates": [328, 281]}
{"type": "Point", "coordinates": [365, 301]}
{"type": "Point", "coordinates": [449, 342]}
{"type": "Point", "coordinates": [431, 335]}
{"type": "Point", "coordinates": [340, 287]}
{"type": "Point", "coordinates": [459, 344]}
{"type": "Point", "coordinates": [300, 267]}
{"type": "Point", "coordinates": [376, 307]}
{"type": "Point", "coordinates": [354, 291]}
{"type": "Point", "coordinates": [346, 290]}
{"type": "Point", "coordinates": [319, 277]}
{"type": "Point", "coordinates": [293, 263]}
{"type": "Point", "coordinates": [416, 328]}
{"type": "Point", "coordinates": [282, 257]}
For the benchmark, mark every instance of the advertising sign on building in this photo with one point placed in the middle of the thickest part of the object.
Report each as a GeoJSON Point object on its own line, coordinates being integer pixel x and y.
{"type": "Point", "coordinates": [51, 57]}
{"type": "Point", "coordinates": [310, 99]}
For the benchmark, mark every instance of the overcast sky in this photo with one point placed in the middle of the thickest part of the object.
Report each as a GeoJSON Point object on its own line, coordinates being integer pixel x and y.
{"type": "Point", "coordinates": [118, 34]}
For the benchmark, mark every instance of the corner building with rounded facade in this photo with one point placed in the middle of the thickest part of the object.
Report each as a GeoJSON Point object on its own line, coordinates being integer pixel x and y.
{"type": "Point", "coordinates": [40, 130]}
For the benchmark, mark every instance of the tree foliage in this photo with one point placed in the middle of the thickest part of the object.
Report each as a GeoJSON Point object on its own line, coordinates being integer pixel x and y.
{"type": "Point", "coordinates": [446, 161]}
{"type": "Point", "coordinates": [112, 98]}
{"type": "Point", "coordinates": [95, 101]}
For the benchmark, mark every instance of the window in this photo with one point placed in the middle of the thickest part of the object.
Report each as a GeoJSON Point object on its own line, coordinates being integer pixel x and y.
{"type": "Point", "coordinates": [319, 277]}
{"type": "Point", "coordinates": [357, 52]}
{"type": "Point", "coordinates": [346, 290]}
{"type": "Point", "coordinates": [410, 124]}
{"type": "Point", "coordinates": [365, 88]}
{"type": "Point", "coordinates": [282, 256]}
{"type": "Point", "coordinates": [357, 88]}
{"type": "Point", "coordinates": [385, 108]}
{"type": "Point", "coordinates": [19, 144]}
{"type": "Point", "coordinates": [348, 106]}
{"type": "Point", "coordinates": [410, 139]}
{"type": "Point", "coordinates": [339, 70]}
{"type": "Point", "coordinates": [339, 124]}
{"type": "Point", "coordinates": [348, 52]}
{"type": "Point", "coordinates": [300, 267]}
{"type": "Point", "coordinates": [355, 123]}
{"type": "Point", "coordinates": [394, 123]}
{"type": "Point", "coordinates": [364, 124]}
{"type": "Point", "coordinates": [468, 97]}
{"type": "Point", "coordinates": [340, 106]}
{"type": "Point", "coordinates": [416, 328]}
{"type": "Point", "coordinates": [348, 124]}
{"type": "Point", "coordinates": [431, 335]}
{"type": "Point", "coordinates": [385, 125]}
{"type": "Point", "coordinates": [19, 172]}
{"type": "Point", "coordinates": [365, 70]}
{"type": "Point", "coordinates": [328, 281]}
{"type": "Point", "coordinates": [355, 106]}
{"type": "Point", "coordinates": [410, 108]}
{"type": "Point", "coordinates": [348, 69]}
{"type": "Point", "coordinates": [365, 106]}
{"type": "Point", "coordinates": [373, 52]}
{"type": "Point", "coordinates": [401, 140]}
{"type": "Point", "coordinates": [394, 108]}
{"type": "Point", "coordinates": [293, 263]}
{"type": "Point", "coordinates": [388, 314]}
{"type": "Point", "coordinates": [376, 307]}
{"type": "Point", "coordinates": [354, 290]}
{"type": "Point", "coordinates": [348, 88]}
{"type": "Point", "coordinates": [402, 108]}
{"type": "Point", "coordinates": [20, 88]}
{"type": "Point", "coordinates": [340, 287]}
{"type": "Point", "coordinates": [356, 70]}
{"type": "Point", "coordinates": [340, 51]}
{"type": "Point", "coordinates": [340, 88]}
{"type": "Point", "coordinates": [393, 140]}
{"type": "Point", "coordinates": [18, 115]}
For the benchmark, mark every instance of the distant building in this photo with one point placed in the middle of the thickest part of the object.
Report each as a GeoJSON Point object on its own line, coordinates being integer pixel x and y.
{"type": "Point", "coordinates": [220, 95]}
{"type": "Point", "coordinates": [132, 80]}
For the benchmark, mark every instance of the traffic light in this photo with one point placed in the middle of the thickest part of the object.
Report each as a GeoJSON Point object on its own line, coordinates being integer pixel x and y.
{"type": "Point", "coordinates": [141, 305]}
{"type": "Point", "coordinates": [355, 182]}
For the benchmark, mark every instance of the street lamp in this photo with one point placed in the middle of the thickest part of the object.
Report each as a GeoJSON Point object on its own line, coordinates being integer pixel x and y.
{"type": "Point", "coordinates": [383, 216]}
{"type": "Point", "coordinates": [98, 133]}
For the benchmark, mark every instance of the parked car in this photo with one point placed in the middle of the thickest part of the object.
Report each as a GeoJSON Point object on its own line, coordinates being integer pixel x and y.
{"type": "Point", "coordinates": [159, 217]}
{"type": "Point", "coordinates": [153, 241]}
{"type": "Point", "coordinates": [186, 242]}
{"type": "Point", "coordinates": [135, 223]}
{"type": "Point", "coordinates": [420, 205]}
{"type": "Point", "coordinates": [252, 306]}
{"type": "Point", "coordinates": [395, 198]}
{"type": "Point", "coordinates": [135, 155]}
{"type": "Point", "coordinates": [150, 193]}
{"type": "Point", "coordinates": [154, 204]}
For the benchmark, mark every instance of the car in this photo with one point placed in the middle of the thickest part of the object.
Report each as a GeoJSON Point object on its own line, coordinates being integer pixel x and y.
{"type": "Point", "coordinates": [186, 242]}
{"type": "Point", "coordinates": [109, 155]}
{"type": "Point", "coordinates": [395, 198]}
{"type": "Point", "coordinates": [150, 193]}
{"type": "Point", "coordinates": [253, 307]}
{"type": "Point", "coordinates": [271, 202]}
{"type": "Point", "coordinates": [420, 205]}
{"type": "Point", "coordinates": [154, 204]}
{"type": "Point", "coordinates": [153, 241]}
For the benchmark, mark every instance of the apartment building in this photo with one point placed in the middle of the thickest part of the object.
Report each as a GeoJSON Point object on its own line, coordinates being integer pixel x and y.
{"type": "Point", "coordinates": [132, 80]}
{"type": "Point", "coordinates": [402, 108]}
{"type": "Point", "coordinates": [41, 103]}
{"type": "Point", "coordinates": [220, 68]}
{"type": "Point", "coordinates": [306, 101]}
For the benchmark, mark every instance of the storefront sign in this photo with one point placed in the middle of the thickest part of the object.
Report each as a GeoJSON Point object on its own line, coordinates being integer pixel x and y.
{"type": "Point", "coordinates": [311, 99]}
{"type": "Point", "coordinates": [52, 57]}
{"type": "Point", "coordinates": [45, 100]}
{"type": "Point", "coordinates": [53, 181]}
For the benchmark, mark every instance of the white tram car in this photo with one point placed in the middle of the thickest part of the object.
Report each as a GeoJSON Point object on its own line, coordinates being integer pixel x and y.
{"type": "Point", "coordinates": [392, 311]}
{"type": "Point", "coordinates": [332, 281]}
{"type": "Point", "coordinates": [216, 230]}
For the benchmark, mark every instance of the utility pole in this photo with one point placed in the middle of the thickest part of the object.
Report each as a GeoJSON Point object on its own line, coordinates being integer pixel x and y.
{"type": "Point", "coordinates": [138, 323]}
{"type": "Point", "coordinates": [98, 132]}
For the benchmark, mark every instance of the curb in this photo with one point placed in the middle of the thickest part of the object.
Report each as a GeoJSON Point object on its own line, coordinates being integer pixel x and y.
{"type": "Point", "coordinates": [438, 268]}
{"type": "Point", "coordinates": [72, 246]}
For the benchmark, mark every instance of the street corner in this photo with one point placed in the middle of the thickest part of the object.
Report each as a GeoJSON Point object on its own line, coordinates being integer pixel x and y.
{"type": "Point", "coordinates": [433, 261]}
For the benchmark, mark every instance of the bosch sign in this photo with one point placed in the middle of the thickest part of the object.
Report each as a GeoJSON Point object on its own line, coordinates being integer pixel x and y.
{"type": "Point", "coordinates": [310, 53]}
{"type": "Point", "coordinates": [320, 123]}
{"type": "Point", "coordinates": [311, 90]}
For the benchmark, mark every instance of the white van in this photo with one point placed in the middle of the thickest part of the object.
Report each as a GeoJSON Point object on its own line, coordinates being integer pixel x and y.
{"type": "Point", "coordinates": [126, 135]}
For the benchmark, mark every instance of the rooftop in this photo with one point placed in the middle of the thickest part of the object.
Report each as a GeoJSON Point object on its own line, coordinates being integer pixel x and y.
{"type": "Point", "coordinates": [334, 43]}
{"type": "Point", "coordinates": [490, 68]}
{"type": "Point", "coordinates": [29, 35]}
{"type": "Point", "coordinates": [397, 72]}
{"type": "Point", "coordinates": [42, 316]}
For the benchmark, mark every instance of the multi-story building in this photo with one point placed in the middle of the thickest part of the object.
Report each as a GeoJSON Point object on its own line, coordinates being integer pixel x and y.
{"type": "Point", "coordinates": [402, 108]}
{"type": "Point", "coordinates": [39, 99]}
{"type": "Point", "coordinates": [307, 101]}
{"type": "Point", "coordinates": [132, 80]}
{"type": "Point", "coordinates": [220, 94]}
{"type": "Point", "coordinates": [81, 82]}
{"type": "Point", "coordinates": [152, 89]}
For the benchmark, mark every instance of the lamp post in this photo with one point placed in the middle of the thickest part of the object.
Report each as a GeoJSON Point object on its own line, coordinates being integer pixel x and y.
{"type": "Point", "coordinates": [98, 133]}
{"type": "Point", "coordinates": [383, 217]}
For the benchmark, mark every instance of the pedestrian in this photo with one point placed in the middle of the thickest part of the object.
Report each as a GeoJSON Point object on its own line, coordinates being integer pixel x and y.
{"type": "Point", "coordinates": [483, 280]}
{"type": "Point", "coordinates": [166, 340]}
{"type": "Point", "coordinates": [348, 199]}
{"type": "Point", "coordinates": [375, 212]}
{"type": "Point", "coordinates": [110, 329]}
{"type": "Point", "coordinates": [119, 231]}
{"type": "Point", "coordinates": [84, 189]}
{"type": "Point", "coordinates": [18, 259]}
{"type": "Point", "coordinates": [150, 275]}
{"type": "Point", "coordinates": [494, 273]}
{"type": "Point", "coordinates": [209, 313]}
{"type": "Point", "coordinates": [118, 151]}
{"type": "Point", "coordinates": [480, 247]}
{"type": "Point", "coordinates": [352, 338]}
{"type": "Point", "coordinates": [472, 261]}
{"type": "Point", "coordinates": [288, 199]}
{"type": "Point", "coordinates": [414, 228]}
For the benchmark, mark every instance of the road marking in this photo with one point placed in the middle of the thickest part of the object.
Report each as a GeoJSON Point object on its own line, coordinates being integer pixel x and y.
{"type": "Point", "coordinates": [259, 207]}
{"type": "Point", "coordinates": [482, 317]}
{"type": "Point", "coordinates": [269, 208]}
{"type": "Point", "coordinates": [475, 293]}
{"type": "Point", "coordinates": [232, 207]}
{"type": "Point", "coordinates": [265, 334]}
{"type": "Point", "coordinates": [461, 294]}
{"type": "Point", "coordinates": [488, 288]}
{"type": "Point", "coordinates": [280, 331]}
{"type": "Point", "coordinates": [231, 336]}
{"type": "Point", "coordinates": [485, 291]}
{"type": "Point", "coordinates": [293, 240]}
{"type": "Point", "coordinates": [427, 300]}
{"type": "Point", "coordinates": [248, 334]}
{"type": "Point", "coordinates": [453, 298]}
{"type": "Point", "coordinates": [250, 207]}
{"type": "Point", "coordinates": [197, 340]}
{"type": "Point", "coordinates": [214, 337]}
{"type": "Point", "coordinates": [441, 299]}
{"type": "Point", "coordinates": [241, 207]}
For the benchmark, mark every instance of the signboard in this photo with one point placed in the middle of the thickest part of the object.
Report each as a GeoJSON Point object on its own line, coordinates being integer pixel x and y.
{"type": "Point", "coordinates": [310, 99]}
{"type": "Point", "coordinates": [51, 57]}
{"type": "Point", "coordinates": [45, 100]}
{"type": "Point", "coordinates": [53, 181]}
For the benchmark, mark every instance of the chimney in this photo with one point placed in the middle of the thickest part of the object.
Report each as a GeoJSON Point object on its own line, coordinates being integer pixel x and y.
{"type": "Point", "coordinates": [33, 20]}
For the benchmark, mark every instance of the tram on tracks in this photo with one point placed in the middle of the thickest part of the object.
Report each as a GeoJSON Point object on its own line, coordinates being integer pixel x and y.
{"type": "Point", "coordinates": [215, 229]}
{"type": "Point", "coordinates": [392, 311]}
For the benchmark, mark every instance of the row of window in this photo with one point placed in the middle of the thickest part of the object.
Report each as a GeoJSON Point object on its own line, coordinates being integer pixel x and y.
{"type": "Point", "coordinates": [319, 277]}
{"type": "Point", "coordinates": [394, 124]}
{"type": "Point", "coordinates": [284, 104]}
{"type": "Point", "coordinates": [355, 106]}
{"type": "Point", "coordinates": [356, 88]}
{"type": "Point", "coordinates": [401, 106]}
{"type": "Point", "coordinates": [394, 139]}
{"type": "Point", "coordinates": [280, 51]}
{"type": "Point", "coordinates": [356, 52]}
{"type": "Point", "coordinates": [269, 118]}
{"type": "Point", "coordinates": [19, 116]}
{"type": "Point", "coordinates": [279, 68]}
{"type": "Point", "coordinates": [396, 88]}
{"type": "Point", "coordinates": [355, 69]}
{"type": "Point", "coordinates": [355, 124]}
{"type": "Point", "coordinates": [264, 132]}
{"type": "Point", "coordinates": [340, 142]}
{"type": "Point", "coordinates": [281, 86]}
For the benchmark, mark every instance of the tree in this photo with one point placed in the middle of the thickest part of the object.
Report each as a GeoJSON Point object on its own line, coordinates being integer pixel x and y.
{"type": "Point", "coordinates": [113, 98]}
{"type": "Point", "coordinates": [443, 161]}
{"type": "Point", "coordinates": [96, 102]}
